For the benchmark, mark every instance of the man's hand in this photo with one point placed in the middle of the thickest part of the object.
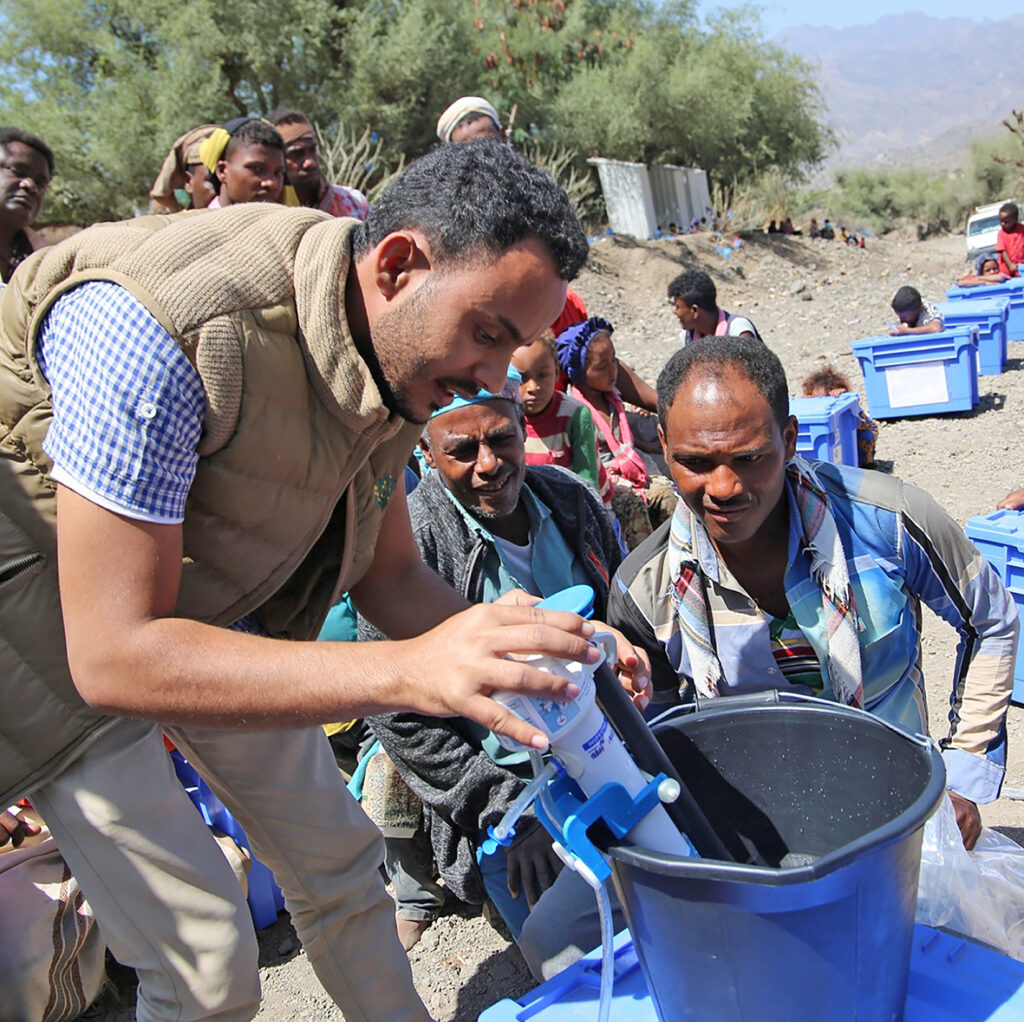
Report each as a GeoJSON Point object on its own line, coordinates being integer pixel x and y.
{"type": "Point", "coordinates": [15, 830]}
{"type": "Point", "coordinates": [633, 666]}
{"type": "Point", "coordinates": [1013, 500]}
{"type": "Point", "coordinates": [968, 819]}
{"type": "Point", "coordinates": [453, 669]}
{"type": "Point", "coordinates": [532, 865]}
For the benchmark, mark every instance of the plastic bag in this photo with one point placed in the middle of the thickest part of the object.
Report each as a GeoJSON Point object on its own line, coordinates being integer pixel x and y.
{"type": "Point", "coordinates": [978, 894]}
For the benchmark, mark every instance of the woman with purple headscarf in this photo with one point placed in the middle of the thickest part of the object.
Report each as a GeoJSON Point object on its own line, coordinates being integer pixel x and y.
{"type": "Point", "coordinates": [642, 499]}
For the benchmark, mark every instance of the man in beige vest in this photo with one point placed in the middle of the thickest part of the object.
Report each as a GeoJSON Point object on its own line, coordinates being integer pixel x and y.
{"type": "Point", "coordinates": [208, 417]}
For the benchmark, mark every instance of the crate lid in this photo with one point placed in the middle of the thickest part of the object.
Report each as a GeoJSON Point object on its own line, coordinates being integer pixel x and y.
{"type": "Point", "coordinates": [976, 308]}
{"type": "Point", "coordinates": [951, 980]}
{"type": "Point", "coordinates": [944, 340]}
{"type": "Point", "coordinates": [822, 407]}
{"type": "Point", "coordinates": [1002, 526]}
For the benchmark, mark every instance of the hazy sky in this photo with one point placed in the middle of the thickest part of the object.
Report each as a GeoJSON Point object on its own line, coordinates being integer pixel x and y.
{"type": "Point", "coordinates": [780, 14]}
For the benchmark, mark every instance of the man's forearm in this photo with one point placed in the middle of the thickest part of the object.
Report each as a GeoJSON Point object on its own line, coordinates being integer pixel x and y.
{"type": "Point", "coordinates": [184, 672]}
{"type": "Point", "coordinates": [426, 601]}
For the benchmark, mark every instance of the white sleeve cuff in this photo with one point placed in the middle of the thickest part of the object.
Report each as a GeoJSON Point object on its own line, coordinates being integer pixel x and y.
{"type": "Point", "coordinates": [59, 475]}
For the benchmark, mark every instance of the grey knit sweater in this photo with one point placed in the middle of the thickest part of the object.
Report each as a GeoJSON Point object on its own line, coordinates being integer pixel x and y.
{"type": "Point", "coordinates": [463, 790]}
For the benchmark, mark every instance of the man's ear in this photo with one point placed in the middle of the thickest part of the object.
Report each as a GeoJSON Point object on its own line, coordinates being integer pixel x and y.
{"type": "Point", "coordinates": [789, 436]}
{"type": "Point", "coordinates": [221, 171]}
{"type": "Point", "coordinates": [428, 455]}
{"type": "Point", "coordinates": [663, 442]}
{"type": "Point", "coordinates": [396, 260]}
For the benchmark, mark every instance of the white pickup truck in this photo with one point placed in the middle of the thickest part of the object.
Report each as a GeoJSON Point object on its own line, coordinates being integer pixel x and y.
{"type": "Point", "coordinates": [982, 228]}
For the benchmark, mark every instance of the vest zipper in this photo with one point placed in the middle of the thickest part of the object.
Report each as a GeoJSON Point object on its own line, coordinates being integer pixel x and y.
{"type": "Point", "coordinates": [13, 570]}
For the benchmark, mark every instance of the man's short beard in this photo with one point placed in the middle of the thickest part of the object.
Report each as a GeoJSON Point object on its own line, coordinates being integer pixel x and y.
{"type": "Point", "coordinates": [395, 337]}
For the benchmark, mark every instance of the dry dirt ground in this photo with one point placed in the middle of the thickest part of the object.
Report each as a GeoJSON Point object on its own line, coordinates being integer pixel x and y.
{"type": "Point", "coordinates": [809, 299]}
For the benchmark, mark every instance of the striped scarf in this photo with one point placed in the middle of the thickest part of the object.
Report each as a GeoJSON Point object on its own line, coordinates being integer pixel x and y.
{"type": "Point", "coordinates": [626, 462]}
{"type": "Point", "coordinates": [689, 544]}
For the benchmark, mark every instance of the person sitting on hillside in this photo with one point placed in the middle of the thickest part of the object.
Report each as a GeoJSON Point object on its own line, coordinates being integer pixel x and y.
{"type": "Point", "coordinates": [25, 174]}
{"type": "Point", "coordinates": [1010, 239]}
{"type": "Point", "coordinates": [642, 498]}
{"type": "Point", "coordinates": [694, 300]}
{"type": "Point", "coordinates": [246, 156]}
{"type": "Point", "coordinates": [831, 383]}
{"type": "Point", "coordinates": [302, 163]}
{"type": "Point", "coordinates": [828, 232]}
{"type": "Point", "coordinates": [813, 229]}
{"type": "Point", "coordinates": [470, 117]}
{"type": "Point", "coordinates": [183, 181]}
{"type": "Point", "coordinates": [559, 429]}
{"type": "Point", "coordinates": [488, 524]}
{"type": "Point", "coordinates": [986, 271]}
{"type": "Point", "coordinates": [916, 316]}
{"type": "Point", "coordinates": [780, 573]}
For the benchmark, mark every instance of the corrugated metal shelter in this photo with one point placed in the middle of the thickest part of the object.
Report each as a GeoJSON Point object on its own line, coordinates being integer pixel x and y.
{"type": "Point", "coordinates": [639, 199]}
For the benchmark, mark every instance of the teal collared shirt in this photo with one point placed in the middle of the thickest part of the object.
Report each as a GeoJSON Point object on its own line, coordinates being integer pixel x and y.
{"type": "Point", "coordinates": [554, 563]}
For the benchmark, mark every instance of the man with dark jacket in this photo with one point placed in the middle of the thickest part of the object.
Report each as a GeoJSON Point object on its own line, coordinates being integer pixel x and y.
{"type": "Point", "coordinates": [488, 524]}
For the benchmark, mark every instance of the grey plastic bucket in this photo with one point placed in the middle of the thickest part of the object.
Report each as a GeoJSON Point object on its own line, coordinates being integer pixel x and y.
{"type": "Point", "coordinates": [797, 780]}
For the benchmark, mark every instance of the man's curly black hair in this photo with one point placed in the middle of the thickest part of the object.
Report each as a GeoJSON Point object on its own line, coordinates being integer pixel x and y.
{"type": "Point", "coordinates": [479, 196]}
{"type": "Point", "coordinates": [750, 358]}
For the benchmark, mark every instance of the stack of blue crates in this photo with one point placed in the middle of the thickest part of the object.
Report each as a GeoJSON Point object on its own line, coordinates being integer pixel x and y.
{"type": "Point", "coordinates": [989, 316]}
{"type": "Point", "coordinates": [265, 898]}
{"type": "Point", "coordinates": [1000, 538]}
{"type": "Point", "coordinates": [950, 981]}
{"type": "Point", "coordinates": [827, 427]}
{"type": "Point", "coordinates": [920, 374]}
{"type": "Point", "coordinates": [1012, 289]}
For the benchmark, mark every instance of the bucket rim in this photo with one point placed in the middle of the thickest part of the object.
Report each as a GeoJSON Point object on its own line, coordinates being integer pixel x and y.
{"type": "Point", "coordinates": [899, 827]}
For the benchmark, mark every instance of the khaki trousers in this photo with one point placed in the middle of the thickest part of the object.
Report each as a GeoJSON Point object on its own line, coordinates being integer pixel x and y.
{"type": "Point", "coordinates": [166, 900]}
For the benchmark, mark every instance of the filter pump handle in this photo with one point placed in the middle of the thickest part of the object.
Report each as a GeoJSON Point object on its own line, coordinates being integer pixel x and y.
{"type": "Point", "coordinates": [575, 599]}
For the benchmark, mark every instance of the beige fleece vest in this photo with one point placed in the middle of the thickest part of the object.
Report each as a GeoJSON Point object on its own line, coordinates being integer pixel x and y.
{"type": "Point", "coordinates": [297, 460]}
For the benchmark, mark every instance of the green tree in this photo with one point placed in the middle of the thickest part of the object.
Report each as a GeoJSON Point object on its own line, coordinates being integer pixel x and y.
{"type": "Point", "coordinates": [110, 84]}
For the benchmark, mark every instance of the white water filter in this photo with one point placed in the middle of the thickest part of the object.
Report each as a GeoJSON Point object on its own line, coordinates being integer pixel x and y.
{"type": "Point", "coordinates": [588, 746]}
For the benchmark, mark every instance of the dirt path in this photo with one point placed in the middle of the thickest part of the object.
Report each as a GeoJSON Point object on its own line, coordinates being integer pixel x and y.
{"type": "Point", "coordinates": [809, 300]}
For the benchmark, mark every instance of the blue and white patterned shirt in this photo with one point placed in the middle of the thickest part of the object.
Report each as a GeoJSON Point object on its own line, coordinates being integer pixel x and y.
{"type": "Point", "coordinates": [127, 405]}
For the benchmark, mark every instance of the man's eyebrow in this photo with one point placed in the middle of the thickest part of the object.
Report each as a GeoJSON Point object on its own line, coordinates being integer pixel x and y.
{"type": "Point", "coordinates": [511, 328]}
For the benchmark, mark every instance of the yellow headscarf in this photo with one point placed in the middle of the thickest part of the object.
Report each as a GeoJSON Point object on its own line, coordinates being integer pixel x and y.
{"type": "Point", "coordinates": [211, 151]}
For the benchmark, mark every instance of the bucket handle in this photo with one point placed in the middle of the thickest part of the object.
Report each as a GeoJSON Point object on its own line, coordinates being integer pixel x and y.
{"type": "Point", "coordinates": [773, 697]}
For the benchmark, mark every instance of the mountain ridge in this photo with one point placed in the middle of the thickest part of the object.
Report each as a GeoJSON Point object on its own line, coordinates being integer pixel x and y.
{"type": "Point", "coordinates": [936, 79]}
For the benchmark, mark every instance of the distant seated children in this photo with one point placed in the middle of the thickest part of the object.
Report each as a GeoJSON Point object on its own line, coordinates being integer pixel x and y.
{"type": "Point", "coordinates": [642, 500]}
{"type": "Point", "coordinates": [916, 316]}
{"type": "Point", "coordinates": [559, 430]}
{"type": "Point", "coordinates": [830, 383]}
{"type": "Point", "coordinates": [986, 271]}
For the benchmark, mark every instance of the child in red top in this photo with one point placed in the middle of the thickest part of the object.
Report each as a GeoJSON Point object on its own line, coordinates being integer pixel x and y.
{"type": "Point", "coordinates": [559, 430]}
{"type": "Point", "coordinates": [1010, 239]}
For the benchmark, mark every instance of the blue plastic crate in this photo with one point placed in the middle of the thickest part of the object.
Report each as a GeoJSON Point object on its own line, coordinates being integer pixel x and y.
{"type": "Point", "coordinates": [827, 427]}
{"type": "Point", "coordinates": [951, 980]}
{"type": "Point", "coordinates": [264, 897]}
{"type": "Point", "coordinates": [920, 374]}
{"type": "Point", "coordinates": [1000, 538]}
{"type": "Point", "coordinates": [1012, 289]}
{"type": "Point", "coordinates": [989, 316]}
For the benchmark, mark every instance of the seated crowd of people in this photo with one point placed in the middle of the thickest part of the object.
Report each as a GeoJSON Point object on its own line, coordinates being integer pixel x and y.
{"type": "Point", "coordinates": [724, 562]}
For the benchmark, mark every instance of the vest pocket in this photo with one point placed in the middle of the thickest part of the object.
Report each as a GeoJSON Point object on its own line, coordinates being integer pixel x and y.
{"type": "Point", "coordinates": [18, 556]}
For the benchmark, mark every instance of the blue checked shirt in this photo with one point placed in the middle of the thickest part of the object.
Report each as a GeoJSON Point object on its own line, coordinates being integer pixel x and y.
{"type": "Point", "coordinates": [902, 550]}
{"type": "Point", "coordinates": [127, 405]}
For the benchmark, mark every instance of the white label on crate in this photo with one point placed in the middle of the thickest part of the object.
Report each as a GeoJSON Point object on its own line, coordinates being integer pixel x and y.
{"type": "Point", "coordinates": [923, 383]}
